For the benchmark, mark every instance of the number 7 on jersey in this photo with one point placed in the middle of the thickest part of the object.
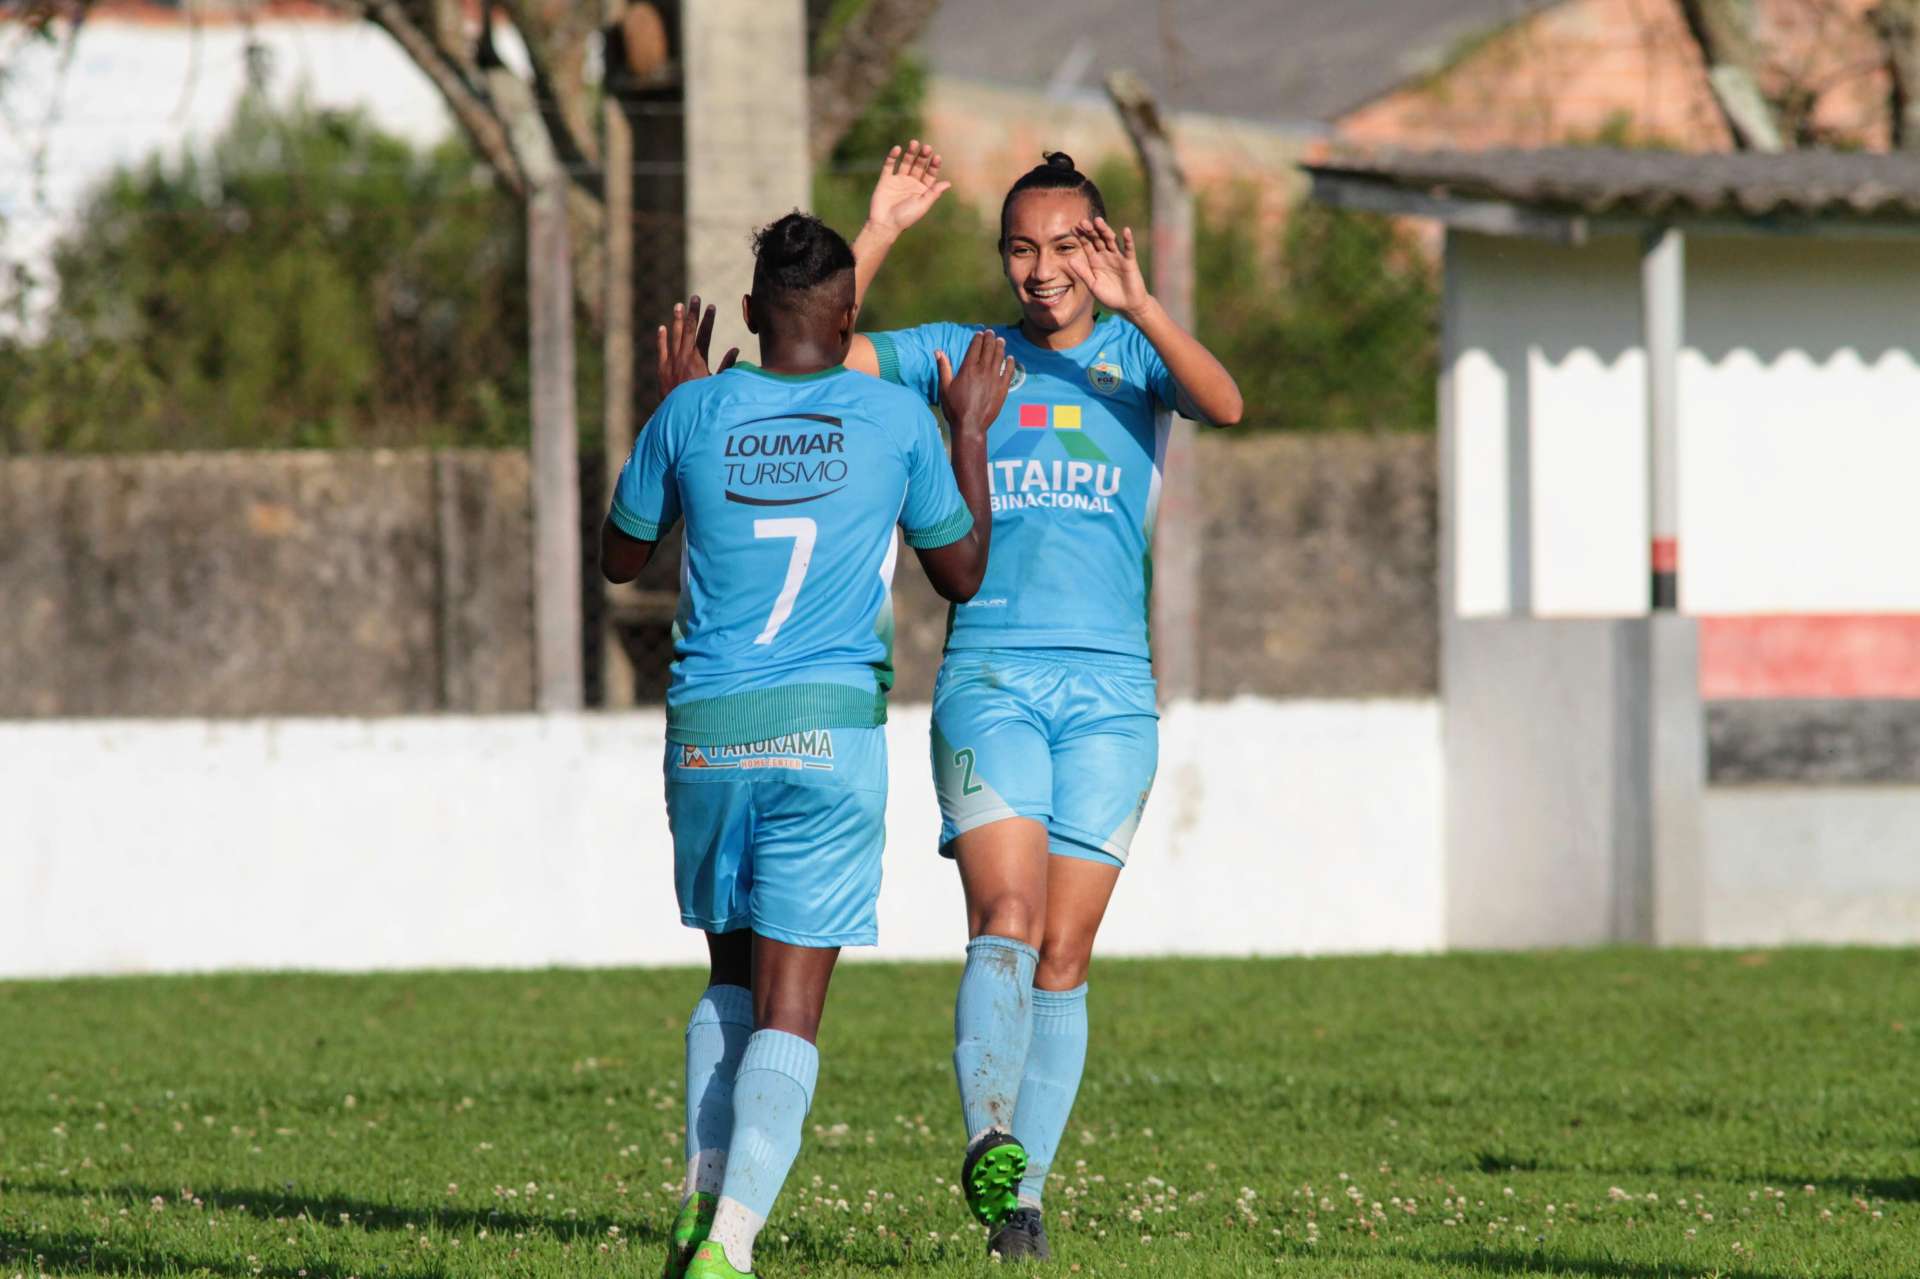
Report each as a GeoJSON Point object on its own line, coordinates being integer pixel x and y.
{"type": "Point", "coordinates": [803, 532]}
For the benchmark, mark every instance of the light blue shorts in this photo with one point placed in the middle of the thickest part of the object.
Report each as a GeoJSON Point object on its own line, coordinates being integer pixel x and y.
{"type": "Point", "coordinates": [1067, 737]}
{"type": "Point", "coordinates": [782, 836]}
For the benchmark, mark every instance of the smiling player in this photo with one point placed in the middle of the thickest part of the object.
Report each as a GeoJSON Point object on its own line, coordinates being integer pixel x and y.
{"type": "Point", "coordinates": [1045, 733]}
{"type": "Point", "coordinates": [792, 477]}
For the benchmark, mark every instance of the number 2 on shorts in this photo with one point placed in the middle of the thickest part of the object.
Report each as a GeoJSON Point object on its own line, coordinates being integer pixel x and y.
{"type": "Point", "coordinates": [963, 760]}
{"type": "Point", "coordinates": [802, 531]}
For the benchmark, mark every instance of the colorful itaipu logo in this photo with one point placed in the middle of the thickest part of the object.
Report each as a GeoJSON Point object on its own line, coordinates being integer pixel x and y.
{"type": "Point", "coordinates": [1041, 422]}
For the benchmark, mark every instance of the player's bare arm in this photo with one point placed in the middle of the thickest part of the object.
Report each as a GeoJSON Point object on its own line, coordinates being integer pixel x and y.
{"type": "Point", "coordinates": [622, 557]}
{"type": "Point", "coordinates": [909, 185]}
{"type": "Point", "coordinates": [971, 397]}
{"type": "Point", "coordinates": [680, 347]}
{"type": "Point", "coordinates": [1110, 269]}
{"type": "Point", "coordinates": [682, 343]}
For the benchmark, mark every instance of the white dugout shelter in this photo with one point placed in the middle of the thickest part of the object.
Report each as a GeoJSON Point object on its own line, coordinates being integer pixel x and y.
{"type": "Point", "coordinates": [1680, 522]}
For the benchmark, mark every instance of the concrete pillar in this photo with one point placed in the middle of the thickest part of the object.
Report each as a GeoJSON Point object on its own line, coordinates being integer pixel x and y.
{"type": "Point", "coordinates": [1676, 782]}
{"type": "Point", "coordinates": [1675, 912]}
{"type": "Point", "coordinates": [1575, 748]}
{"type": "Point", "coordinates": [746, 103]}
{"type": "Point", "coordinates": [1663, 287]}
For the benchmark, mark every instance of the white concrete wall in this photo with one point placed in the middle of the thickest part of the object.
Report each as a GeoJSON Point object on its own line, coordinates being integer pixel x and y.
{"type": "Point", "coordinates": [1799, 421]}
{"type": "Point", "coordinates": [512, 841]}
{"type": "Point", "coordinates": [1793, 865]}
{"type": "Point", "coordinates": [1547, 806]}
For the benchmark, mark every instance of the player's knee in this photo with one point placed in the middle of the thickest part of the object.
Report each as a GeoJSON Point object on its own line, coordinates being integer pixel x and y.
{"type": "Point", "coordinates": [1064, 959]}
{"type": "Point", "coordinates": [1014, 915]}
{"type": "Point", "coordinates": [793, 1016]}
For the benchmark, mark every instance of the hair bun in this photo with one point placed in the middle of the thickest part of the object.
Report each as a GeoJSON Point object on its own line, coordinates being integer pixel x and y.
{"type": "Point", "coordinates": [1059, 160]}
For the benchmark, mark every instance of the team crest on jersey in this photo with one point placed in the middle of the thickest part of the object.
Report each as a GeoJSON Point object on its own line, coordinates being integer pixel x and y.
{"type": "Point", "coordinates": [1104, 375]}
{"type": "Point", "coordinates": [1019, 376]}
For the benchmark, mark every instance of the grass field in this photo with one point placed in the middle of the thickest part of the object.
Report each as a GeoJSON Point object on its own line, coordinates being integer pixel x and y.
{"type": "Point", "coordinates": [1615, 1113]}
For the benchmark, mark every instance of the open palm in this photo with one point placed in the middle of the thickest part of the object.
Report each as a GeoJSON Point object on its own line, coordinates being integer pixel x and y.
{"type": "Point", "coordinates": [908, 186]}
{"type": "Point", "coordinates": [1107, 265]}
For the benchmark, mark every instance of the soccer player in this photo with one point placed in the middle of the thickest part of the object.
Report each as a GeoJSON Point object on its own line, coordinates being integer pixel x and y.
{"type": "Point", "coordinates": [791, 476]}
{"type": "Point", "coordinates": [1045, 735]}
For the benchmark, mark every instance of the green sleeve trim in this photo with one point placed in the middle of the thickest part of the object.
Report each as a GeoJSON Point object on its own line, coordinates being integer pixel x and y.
{"type": "Point", "coordinates": [945, 533]}
{"type": "Point", "coordinates": [886, 357]}
{"type": "Point", "coordinates": [632, 525]}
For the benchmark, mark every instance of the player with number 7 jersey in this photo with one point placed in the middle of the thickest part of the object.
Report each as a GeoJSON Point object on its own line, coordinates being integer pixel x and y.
{"type": "Point", "coordinates": [795, 479]}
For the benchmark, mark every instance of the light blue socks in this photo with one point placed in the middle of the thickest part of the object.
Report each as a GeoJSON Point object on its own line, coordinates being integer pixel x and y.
{"type": "Point", "coordinates": [1054, 1062]}
{"type": "Point", "coordinates": [771, 1095]}
{"type": "Point", "coordinates": [992, 1024]}
{"type": "Point", "coordinates": [716, 1036]}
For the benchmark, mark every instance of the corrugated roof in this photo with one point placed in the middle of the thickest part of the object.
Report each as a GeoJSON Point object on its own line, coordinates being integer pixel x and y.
{"type": "Point", "coordinates": [1285, 62]}
{"type": "Point", "coordinates": [1653, 184]}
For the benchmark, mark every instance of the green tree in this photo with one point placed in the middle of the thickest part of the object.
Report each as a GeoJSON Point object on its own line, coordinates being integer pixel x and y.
{"type": "Point", "coordinates": [306, 281]}
{"type": "Point", "coordinates": [1329, 321]}
{"type": "Point", "coordinates": [1353, 344]}
{"type": "Point", "coordinates": [946, 268]}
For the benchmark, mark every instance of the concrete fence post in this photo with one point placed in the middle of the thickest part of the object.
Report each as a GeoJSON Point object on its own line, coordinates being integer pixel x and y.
{"type": "Point", "coordinates": [746, 140]}
{"type": "Point", "coordinates": [1176, 538]}
{"type": "Point", "coordinates": [1675, 720]}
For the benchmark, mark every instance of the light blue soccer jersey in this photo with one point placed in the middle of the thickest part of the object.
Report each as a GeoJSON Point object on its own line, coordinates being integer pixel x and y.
{"type": "Point", "coordinates": [1074, 462]}
{"type": "Point", "coordinates": [791, 487]}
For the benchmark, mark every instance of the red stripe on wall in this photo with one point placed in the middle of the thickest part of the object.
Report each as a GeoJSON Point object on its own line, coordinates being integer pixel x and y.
{"type": "Point", "coordinates": [1666, 555]}
{"type": "Point", "coordinates": [1810, 656]}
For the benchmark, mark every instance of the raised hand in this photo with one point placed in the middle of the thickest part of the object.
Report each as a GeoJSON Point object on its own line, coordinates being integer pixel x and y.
{"type": "Point", "coordinates": [1107, 266]}
{"type": "Point", "coordinates": [973, 396]}
{"type": "Point", "coordinates": [682, 345]}
{"type": "Point", "coordinates": [908, 186]}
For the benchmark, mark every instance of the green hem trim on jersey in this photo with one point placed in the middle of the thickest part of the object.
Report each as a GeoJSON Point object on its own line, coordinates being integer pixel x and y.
{"type": "Point", "coordinates": [632, 525]}
{"type": "Point", "coordinates": [815, 376]}
{"type": "Point", "coordinates": [761, 713]}
{"type": "Point", "coordinates": [945, 533]}
{"type": "Point", "coordinates": [887, 358]}
{"type": "Point", "coordinates": [962, 638]}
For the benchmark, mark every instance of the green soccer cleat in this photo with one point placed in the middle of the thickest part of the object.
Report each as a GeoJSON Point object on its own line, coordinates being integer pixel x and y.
{"type": "Point", "coordinates": [990, 1178]}
{"type": "Point", "coordinates": [689, 1231]}
{"type": "Point", "coordinates": [710, 1262]}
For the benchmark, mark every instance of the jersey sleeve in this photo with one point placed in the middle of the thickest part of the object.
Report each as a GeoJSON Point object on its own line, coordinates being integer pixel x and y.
{"type": "Point", "coordinates": [905, 356]}
{"type": "Point", "coordinates": [934, 514]}
{"type": "Point", "coordinates": [1166, 392]}
{"type": "Point", "coordinates": [646, 498]}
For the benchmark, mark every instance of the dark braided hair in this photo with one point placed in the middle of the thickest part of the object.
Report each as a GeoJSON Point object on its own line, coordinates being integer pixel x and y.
{"type": "Point", "coordinates": [1055, 174]}
{"type": "Point", "coordinates": [794, 256]}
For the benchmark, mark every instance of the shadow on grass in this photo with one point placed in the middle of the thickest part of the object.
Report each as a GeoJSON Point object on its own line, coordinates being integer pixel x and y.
{"type": "Point", "coordinates": [1510, 1263]}
{"type": "Point", "coordinates": [1898, 1189]}
{"type": "Point", "coordinates": [1904, 1189]}
{"type": "Point", "coordinates": [804, 1245]}
{"type": "Point", "coordinates": [78, 1254]}
{"type": "Point", "coordinates": [324, 1209]}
